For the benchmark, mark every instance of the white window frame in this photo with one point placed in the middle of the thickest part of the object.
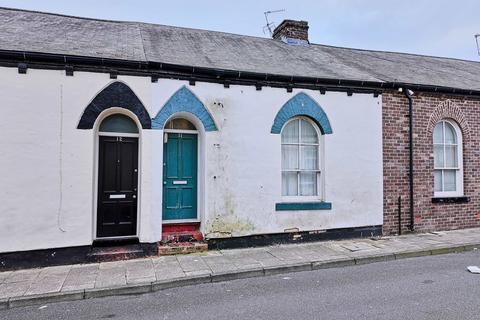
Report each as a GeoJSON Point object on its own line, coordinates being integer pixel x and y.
{"type": "Point", "coordinates": [320, 196]}
{"type": "Point", "coordinates": [458, 170]}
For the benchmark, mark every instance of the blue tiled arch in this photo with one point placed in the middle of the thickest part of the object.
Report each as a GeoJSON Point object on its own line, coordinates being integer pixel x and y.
{"type": "Point", "coordinates": [184, 101]}
{"type": "Point", "coordinates": [301, 105]}
{"type": "Point", "coordinates": [117, 94]}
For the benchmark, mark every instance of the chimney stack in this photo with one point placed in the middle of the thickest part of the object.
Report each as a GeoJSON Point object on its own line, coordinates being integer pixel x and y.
{"type": "Point", "coordinates": [292, 32]}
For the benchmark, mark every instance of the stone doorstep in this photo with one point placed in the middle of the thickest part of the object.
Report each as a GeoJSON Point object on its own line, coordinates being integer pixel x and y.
{"type": "Point", "coordinates": [181, 248]}
{"type": "Point", "coordinates": [182, 236]}
{"type": "Point", "coordinates": [141, 288]}
{"type": "Point", "coordinates": [116, 253]}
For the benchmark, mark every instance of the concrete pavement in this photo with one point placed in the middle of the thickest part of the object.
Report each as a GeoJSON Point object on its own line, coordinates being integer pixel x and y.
{"type": "Point", "coordinates": [430, 287]}
{"type": "Point", "coordinates": [74, 282]}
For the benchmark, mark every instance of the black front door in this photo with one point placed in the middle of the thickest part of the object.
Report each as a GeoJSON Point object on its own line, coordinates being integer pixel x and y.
{"type": "Point", "coordinates": [117, 186]}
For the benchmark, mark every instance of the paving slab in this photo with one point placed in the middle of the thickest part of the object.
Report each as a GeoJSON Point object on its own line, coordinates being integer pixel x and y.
{"type": "Point", "coordinates": [49, 280]}
{"type": "Point", "coordinates": [81, 277]}
{"type": "Point", "coordinates": [316, 253]}
{"type": "Point", "coordinates": [111, 277]}
{"type": "Point", "coordinates": [140, 271]}
{"type": "Point", "coordinates": [13, 289]}
{"type": "Point", "coordinates": [4, 276]}
{"type": "Point", "coordinates": [265, 259]}
{"type": "Point", "coordinates": [62, 283]}
{"type": "Point", "coordinates": [285, 253]}
{"type": "Point", "coordinates": [219, 263]}
{"type": "Point", "coordinates": [192, 264]}
{"type": "Point", "coordinates": [167, 267]}
{"type": "Point", "coordinates": [22, 275]}
{"type": "Point", "coordinates": [242, 259]}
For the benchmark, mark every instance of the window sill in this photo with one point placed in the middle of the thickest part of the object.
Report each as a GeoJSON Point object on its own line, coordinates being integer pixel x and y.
{"type": "Point", "coordinates": [461, 199]}
{"type": "Point", "coordinates": [296, 206]}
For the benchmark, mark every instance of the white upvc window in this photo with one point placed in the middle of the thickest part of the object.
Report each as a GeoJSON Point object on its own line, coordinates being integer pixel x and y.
{"type": "Point", "coordinates": [448, 159]}
{"type": "Point", "coordinates": [301, 160]}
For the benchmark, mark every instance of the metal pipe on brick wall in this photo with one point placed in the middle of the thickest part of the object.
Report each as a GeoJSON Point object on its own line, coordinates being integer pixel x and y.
{"type": "Point", "coordinates": [409, 94]}
{"type": "Point", "coordinates": [399, 215]}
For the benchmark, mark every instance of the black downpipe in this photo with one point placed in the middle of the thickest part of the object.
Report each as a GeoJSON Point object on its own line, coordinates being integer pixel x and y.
{"type": "Point", "coordinates": [399, 215]}
{"type": "Point", "coordinates": [409, 95]}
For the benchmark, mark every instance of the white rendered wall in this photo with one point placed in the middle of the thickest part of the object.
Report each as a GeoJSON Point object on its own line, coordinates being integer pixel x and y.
{"type": "Point", "coordinates": [243, 161]}
{"type": "Point", "coordinates": [47, 164]}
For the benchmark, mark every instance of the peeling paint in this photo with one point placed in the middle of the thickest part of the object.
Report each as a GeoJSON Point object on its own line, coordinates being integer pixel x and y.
{"type": "Point", "coordinates": [227, 223]}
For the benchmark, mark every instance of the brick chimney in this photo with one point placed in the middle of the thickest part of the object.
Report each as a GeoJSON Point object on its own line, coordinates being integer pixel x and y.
{"type": "Point", "coordinates": [292, 32]}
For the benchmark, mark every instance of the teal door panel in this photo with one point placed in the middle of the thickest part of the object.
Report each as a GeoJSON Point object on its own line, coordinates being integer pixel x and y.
{"type": "Point", "coordinates": [180, 176]}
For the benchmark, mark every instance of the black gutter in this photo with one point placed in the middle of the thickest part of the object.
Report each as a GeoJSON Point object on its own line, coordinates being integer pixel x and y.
{"type": "Point", "coordinates": [409, 94]}
{"type": "Point", "coordinates": [156, 70]}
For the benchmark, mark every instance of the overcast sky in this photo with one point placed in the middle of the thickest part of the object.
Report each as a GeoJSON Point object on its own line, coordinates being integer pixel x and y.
{"type": "Point", "coordinates": [432, 27]}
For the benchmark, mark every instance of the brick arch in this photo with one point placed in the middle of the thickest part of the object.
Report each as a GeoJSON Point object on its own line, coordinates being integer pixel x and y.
{"type": "Point", "coordinates": [116, 94]}
{"type": "Point", "coordinates": [448, 110]}
{"type": "Point", "coordinates": [301, 105]}
{"type": "Point", "coordinates": [184, 101]}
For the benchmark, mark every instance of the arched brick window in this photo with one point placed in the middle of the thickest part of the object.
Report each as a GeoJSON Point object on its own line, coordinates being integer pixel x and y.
{"type": "Point", "coordinates": [448, 159]}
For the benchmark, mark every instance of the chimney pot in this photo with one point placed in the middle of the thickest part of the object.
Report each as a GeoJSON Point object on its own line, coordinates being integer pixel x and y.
{"type": "Point", "coordinates": [292, 31]}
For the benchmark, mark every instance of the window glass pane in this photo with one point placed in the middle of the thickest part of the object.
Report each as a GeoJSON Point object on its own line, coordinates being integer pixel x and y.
{"type": "Point", "coordinates": [309, 157]}
{"type": "Point", "coordinates": [451, 156]}
{"type": "Point", "coordinates": [181, 124]}
{"type": "Point", "coordinates": [450, 180]}
{"type": "Point", "coordinates": [438, 180]}
{"type": "Point", "coordinates": [450, 136]}
{"type": "Point", "coordinates": [438, 133]}
{"type": "Point", "coordinates": [438, 156]}
{"type": "Point", "coordinates": [289, 156]}
{"type": "Point", "coordinates": [289, 184]}
{"type": "Point", "coordinates": [118, 123]}
{"type": "Point", "coordinates": [290, 132]}
{"type": "Point", "coordinates": [308, 133]}
{"type": "Point", "coordinates": [308, 183]}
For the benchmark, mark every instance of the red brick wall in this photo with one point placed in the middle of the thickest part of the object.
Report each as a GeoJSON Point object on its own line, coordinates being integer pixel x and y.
{"type": "Point", "coordinates": [428, 109]}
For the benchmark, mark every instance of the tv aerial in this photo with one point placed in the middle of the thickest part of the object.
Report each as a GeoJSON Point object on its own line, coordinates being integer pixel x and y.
{"type": "Point", "coordinates": [270, 26]}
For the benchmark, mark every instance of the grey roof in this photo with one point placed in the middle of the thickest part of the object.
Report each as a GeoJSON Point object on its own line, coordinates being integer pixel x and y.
{"type": "Point", "coordinates": [31, 31]}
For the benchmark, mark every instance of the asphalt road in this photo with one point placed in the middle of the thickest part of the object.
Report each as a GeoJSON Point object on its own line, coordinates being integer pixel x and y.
{"type": "Point", "coordinates": [436, 287]}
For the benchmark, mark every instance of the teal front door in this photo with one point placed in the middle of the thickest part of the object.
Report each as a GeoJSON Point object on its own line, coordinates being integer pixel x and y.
{"type": "Point", "coordinates": [179, 176]}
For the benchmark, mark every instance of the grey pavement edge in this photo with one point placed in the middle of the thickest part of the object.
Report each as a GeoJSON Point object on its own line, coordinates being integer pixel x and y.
{"type": "Point", "coordinates": [134, 289]}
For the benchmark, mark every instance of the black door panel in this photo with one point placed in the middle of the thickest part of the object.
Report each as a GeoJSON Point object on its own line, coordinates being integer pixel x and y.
{"type": "Point", "coordinates": [117, 186]}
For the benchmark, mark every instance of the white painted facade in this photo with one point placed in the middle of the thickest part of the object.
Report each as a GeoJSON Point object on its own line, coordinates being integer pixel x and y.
{"type": "Point", "coordinates": [48, 166]}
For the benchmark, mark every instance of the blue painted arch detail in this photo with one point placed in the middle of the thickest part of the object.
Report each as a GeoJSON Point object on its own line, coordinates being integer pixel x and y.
{"type": "Point", "coordinates": [301, 105]}
{"type": "Point", "coordinates": [184, 101]}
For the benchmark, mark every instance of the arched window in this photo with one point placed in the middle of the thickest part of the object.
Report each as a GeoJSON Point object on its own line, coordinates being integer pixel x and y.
{"type": "Point", "coordinates": [447, 150]}
{"type": "Point", "coordinates": [118, 123]}
{"type": "Point", "coordinates": [180, 124]}
{"type": "Point", "coordinates": [301, 164]}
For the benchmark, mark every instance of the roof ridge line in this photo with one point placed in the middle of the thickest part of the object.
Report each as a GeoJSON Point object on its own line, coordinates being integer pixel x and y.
{"type": "Point", "coordinates": [233, 34]}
